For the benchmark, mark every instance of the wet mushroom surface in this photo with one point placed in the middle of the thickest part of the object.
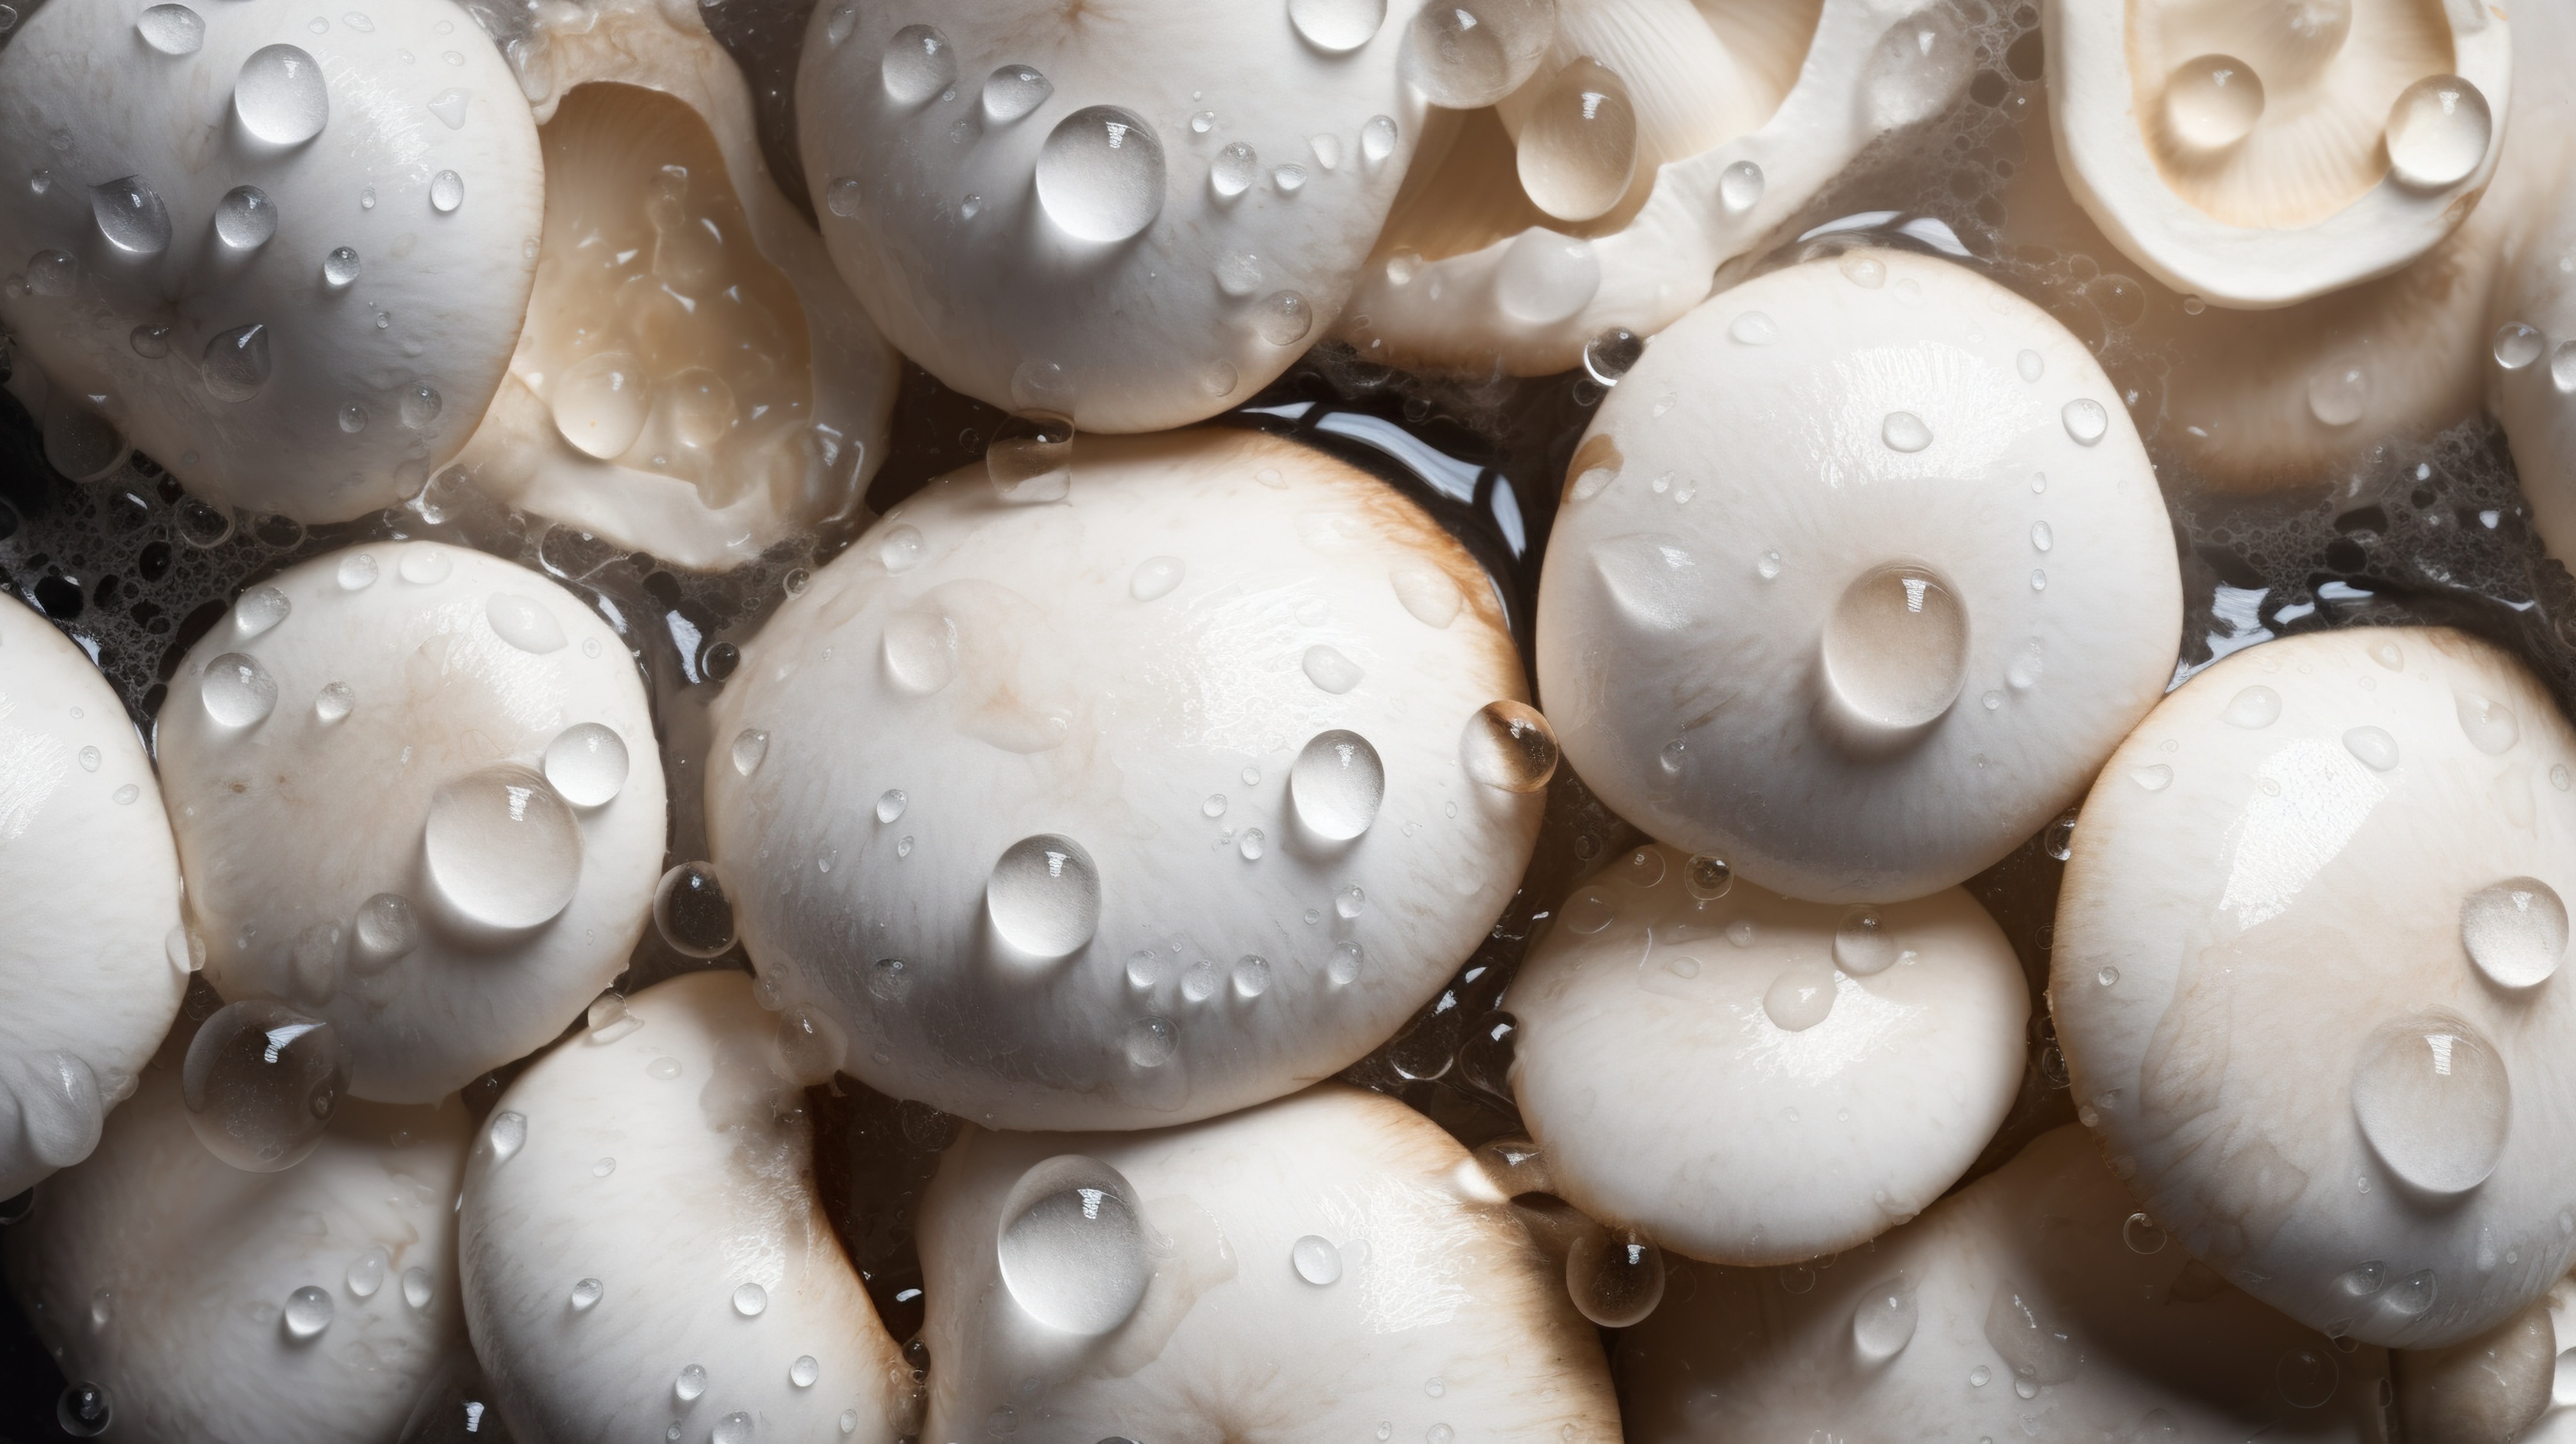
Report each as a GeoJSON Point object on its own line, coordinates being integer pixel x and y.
{"type": "Point", "coordinates": [1477, 292]}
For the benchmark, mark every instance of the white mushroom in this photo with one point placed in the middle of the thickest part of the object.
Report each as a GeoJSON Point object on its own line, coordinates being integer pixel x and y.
{"type": "Point", "coordinates": [643, 1249]}
{"type": "Point", "coordinates": [1755, 1080]}
{"type": "Point", "coordinates": [93, 966]}
{"type": "Point", "coordinates": [693, 379]}
{"type": "Point", "coordinates": [1135, 807]}
{"type": "Point", "coordinates": [286, 253]}
{"type": "Point", "coordinates": [312, 1306]}
{"type": "Point", "coordinates": [1861, 573]}
{"type": "Point", "coordinates": [417, 796]}
{"type": "Point", "coordinates": [1310, 1269]}
{"type": "Point", "coordinates": [2490, 1387]}
{"type": "Point", "coordinates": [2257, 155]}
{"type": "Point", "coordinates": [2304, 979]}
{"type": "Point", "coordinates": [1134, 218]}
{"type": "Point", "coordinates": [2036, 1303]}
{"type": "Point", "coordinates": [2531, 328]}
{"type": "Point", "coordinates": [1734, 116]}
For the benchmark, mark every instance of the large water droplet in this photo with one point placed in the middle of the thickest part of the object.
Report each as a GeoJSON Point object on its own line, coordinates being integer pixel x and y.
{"type": "Point", "coordinates": [1316, 1260]}
{"type": "Point", "coordinates": [245, 219]}
{"type": "Point", "coordinates": [501, 847]}
{"type": "Point", "coordinates": [84, 1410]}
{"type": "Point", "coordinates": [237, 690]}
{"type": "Point", "coordinates": [2212, 102]}
{"type": "Point", "coordinates": [1545, 278]}
{"type": "Point", "coordinates": [1337, 26]}
{"type": "Point", "coordinates": [2438, 132]}
{"type": "Point", "coordinates": [1918, 65]}
{"type": "Point", "coordinates": [2515, 931]}
{"type": "Point", "coordinates": [919, 63]}
{"type": "Point", "coordinates": [1508, 745]}
{"type": "Point", "coordinates": [236, 363]}
{"type": "Point", "coordinates": [1337, 783]}
{"type": "Point", "coordinates": [446, 191]}
{"type": "Point", "coordinates": [260, 1083]}
{"type": "Point", "coordinates": [2518, 345]}
{"type": "Point", "coordinates": [524, 623]}
{"type": "Point", "coordinates": [172, 29]}
{"type": "Point", "coordinates": [2432, 1098]}
{"type": "Point", "coordinates": [130, 216]}
{"type": "Point", "coordinates": [2085, 420]}
{"type": "Point", "coordinates": [1578, 144]}
{"type": "Point", "coordinates": [1801, 997]}
{"type": "Point", "coordinates": [587, 763]}
{"type": "Point", "coordinates": [2254, 708]}
{"type": "Point", "coordinates": [1072, 1245]}
{"type": "Point", "coordinates": [1283, 318]}
{"type": "Point", "coordinates": [1884, 1321]}
{"type": "Point", "coordinates": [750, 1300]}
{"type": "Point", "coordinates": [308, 1312]}
{"type": "Point", "coordinates": [1616, 1277]}
{"type": "Point", "coordinates": [1895, 649]}
{"type": "Point", "coordinates": [1467, 54]}
{"type": "Point", "coordinates": [1100, 174]}
{"type": "Point", "coordinates": [1044, 895]}
{"type": "Point", "coordinates": [279, 96]}
{"type": "Point", "coordinates": [692, 911]}
{"type": "Point", "coordinates": [1862, 944]}
{"type": "Point", "coordinates": [600, 403]}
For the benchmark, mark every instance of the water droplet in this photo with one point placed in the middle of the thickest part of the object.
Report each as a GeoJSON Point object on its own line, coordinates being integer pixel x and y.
{"type": "Point", "coordinates": [1802, 995]}
{"type": "Point", "coordinates": [524, 623]}
{"type": "Point", "coordinates": [1884, 1321]}
{"type": "Point", "coordinates": [236, 363]}
{"type": "Point", "coordinates": [1100, 174]}
{"type": "Point", "coordinates": [1862, 943]}
{"type": "Point", "coordinates": [261, 1082]}
{"type": "Point", "coordinates": [1013, 91]}
{"type": "Point", "coordinates": [2141, 1234]}
{"type": "Point", "coordinates": [1343, 967]}
{"type": "Point", "coordinates": [750, 1301]}
{"type": "Point", "coordinates": [1337, 26]}
{"type": "Point", "coordinates": [585, 1295]}
{"type": "Point", "coordinates": [664, 1069]}
{"type": "Point", "coordinates": [2254, 708]}
{"type": "Point", "coordinates": [1288, 179]}
{"type": "Point", "coordinates": [2339, 392]}
{"type": "Point", "coordinates": [2307, 1377]}
{"type": "Point", "coordinates": [2038, 1350]}
{"type": "Point", "coordinates": [2413, 1294]}
{"type": "Point", "coordinates": [1072, 1246]}
{"type": "Point", "coordinates": [804, 1371]}
{"type": "Point", "coordinates": [51, 273]}
{"type": "Point", "coordinates": [2515, 931]}
{"type": "Point", "coordinates": [750, 748]}
{"type": "Point", "coordinates": [340, 268]}
{"type": "Point", "coordinates": [1753, 328]}
{"type": "Point", "coordinates": [2154, 777]}
{"type": "Point", "coordinates": [2212, 102]}
{"type": "Point", "coordinates": [2376, 749]}
{"type": "Point", "coordinates": [1349, 902]}
{"type": "Point", "coordinates": [600, 403]}
{"type": "Point", "coordinates": [691, 1383]}
{"type": "Point", "coordinates": [844, 196]}
{"type": "Point", "coordinates": [417, 1288]}
{"type": "Point", "coordinates": [2432, 1098]}
{"type": "Point", "coordinates": [2438, 132]}
{"type": "Point", "coordinates": [84, 1410]}
{"type": "Point", "coordinates": [587, 764]}
{"type": "Point", "coordinates": [334, 702]}
{"type": "Point", "coordinates": [1283, 318]}
{"type": "Point", "coordinates": [1337, 783]}
{"type": "Point", "coordinates": [1739, 187]}
{"type": "Point", "coordinates": [1234, 170]}
{"type": "Point", "coordinates": [308, 1312]}
{"type": "Point", "coordinates": [502, 849]}
{"type": "Point", "coordinates": [420, 406]}
{"type": "Point", "coordinates": [2085, 420]}
{"type": "Point", "coordinates": [131, 217]}
{"type": "Point", "coordinates": [367, 198]}
{"type": "Point", "coordinates": [2518, 345]}
{"type": "Point", "coordinates": [386, 931]}
{"type": "Point", "coordinates": [919, 63]}
{"type": "Point", "coordinates": [692, 911]}
{"type": "Point", "coordinates": [446, 191]}
{"type": "Point", "coordinates": [1377, 140]}
{"type": "Point", "coordinates": [1467, 54]}
{"type": "Point", "coordinates": [245, 219]}
{"type": "Point", "coordinates": [127, 794]}
{"type": "Point", "coordinates": [1251, 976]}
{"type": "Point", "coordinates": [1030, 459]}
{"type": "Point", "coordinates": [150, 342]}
{"type": "Point", "coordinates": [1895, 648]}
{"type": "Point", "coordinates": [367, 1272]}
{"type": "Point", "coordinates": [2041, 537]}
{"type": "Point", "coordinates": [1615, 1276]}
{"type": "Point", "coordinates": [2490, 725]}
{"type": "Point", "coordinates": [279, 96]}
{"type": "Point", "coordinates": [172, 29]}
{"type": "Point", "coordinates": [1904, 431]}
{"type": "Point", "coordinates": [1577, 147]}
{"type": "Point", "coordinates": [1316, 1260]}
{"type": "Point", "coordinates": [1768, 566]}
{"type": "Point", "coordinates": [1330, 670]}
{"type": "Point", "coordinates": [237, 690]}
{"type": "Point", "coordinates": [1151, 1041]}
{"type": "Point", "coordinates": [1044, 895]}
{"type": "Point", "coordinates": [2030, 365]}
{"type": "Point", "coordinates": [1543, 277]}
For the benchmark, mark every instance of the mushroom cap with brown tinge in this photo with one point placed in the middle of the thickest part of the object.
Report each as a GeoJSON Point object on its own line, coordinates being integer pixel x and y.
{"type": "Point", "coordinates": [2305, 978]}
{"type": "Point", "coordinates": [1135, 806]}
{"type": "Point", "coordinates": [1755, 1080]}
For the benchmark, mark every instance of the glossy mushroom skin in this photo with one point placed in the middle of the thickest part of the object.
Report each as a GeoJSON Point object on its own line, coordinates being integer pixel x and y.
{"type": "Point", "coordinates": [2040, 1266]}
{"type": "Point", "coordinates": [164, 1274]}
{"type": "Point", "coordinates": [85, 848]}
{"type": "Point", "coordinates": [666, 1159]}
{"type": "Point", "coordinates": [414, 94]}
{"type": "Point", "coordinates": [293, 825]}
{"type": "Point", "coordinates": [2264, 986]}
{"type": "Point", "coordinates": [1442, 1320]}
{"type": "Point", "coordinates": [1824, 425]}
{"type": "Point", "coordinates": [1137, 668]}
{"type": "Point", "coordinates": [1680, 1073]}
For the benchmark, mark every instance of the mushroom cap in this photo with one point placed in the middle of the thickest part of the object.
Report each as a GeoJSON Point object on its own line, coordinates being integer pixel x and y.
{"type": "Point", "coordinates": [1129, 288]}
{"type": "Point", "coordinates": [2495, 1385]}
{"type": "Point", "coordinates": [2302, 978]}
{"type": "Point", "coordinates": [766, 391]}
{"type": "Point", "coordinates": [353, 392]}
{"type": "Point", "coordinates": [172, 1279]}
{"type": "Point", "coordinates": [2040, 1265]}
{"type": "Point", "coordinates": [1310, 1268]}
{"type": "Point", "coordinates": [641, 1202]}
{"type": "Point", "coordinates": [440, 726]}
{"type": "Point", "coordinates": [1755, 1080]}
{"type": "Point", "coordinates": [1013, 794]}
{"type": "Point", "coordinates": [1841, 597]}
{"type": "Point", "coordinates": [85, 846]}
{"type": "Point", "coordinates": [2530, 397]}
{"type": "Point", "coordinates": [1750, 110]}
{"type": "Point", "coordinates": [2236, 152]}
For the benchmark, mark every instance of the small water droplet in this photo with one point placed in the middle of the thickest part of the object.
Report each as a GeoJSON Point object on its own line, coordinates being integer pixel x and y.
{"type": "Point", "coordinates": [2212, 101]}
{"type": "Point", "coordinates": [1251, 976]}
{"type": "Point", "coordinates": [750, 1301]}
{"type": "Point", "coordinates": [1615, 1276]}
{"type": "Point", "coordinates": [279, 96]}
{"type": "Point", "coordinates": [1468, 54]}
{"type": "Point", "coordinates": [2515, 931]}
{"type": "Point", "coordinates": [1155, 577]}
{"type": "Point", "coordinates": [2490, 725]}
{"type": "Point", "coordinates": [1043, 895]}
{"type": "Point", "coordinates": [308, 1312]}
{"type": "Point", "coordinates": [1802, 995]}
{"type": "Point", "coordinates": [1072, 1246]}
{"type": "Point", "coordinates": [2432, 1097]}
{"type": "Point", "coordinates": [2142, 1235]}
{"type": "Point", "coordinates": [446, 191]}
{"type": "Point", "coordinates": [587, 764]}
{"type": "Point", "coordinates": [1283, 318]}
{"type": "Point", "coordinates": [585, 1295]}
{"type": "Point", "coordinates": [1349, 902]}
{"type": "Point", "coordinates": [1739, 187]}
{"type": "Point", "coordinates": [1288, 179]}
{"type": "Point", "coordinates": [1753, 328]}
{"type": "Point", "coordinates": [236, 363]}
{"type": "Point", "coordinates": [919, 63]}
{"type": "Point", "coordinates": [1337, 27]}
{"type": "Point", "coordinates": [1904, 431]}
{"type": "Point", "coordinates": [171, 29]}
{"type": "Point", "coordinates": [1100, 173]}
{"type": "Point", "coordinates": [1577, 148]}
{"type": "Point", "coordinates": [260, 1083]}
{"type": "Point", "coordinates": [150, 342]}
{"type": "Point", "coordinates": [2376, 749]}
{"type": "Point", "coordinates": [1343, 967]}
{"type": "Point", "coordinates": [1377, 139]}
{"type": "Point", "coordinates": [1337, 784]}
{"type": "Point", "coordinates": [1150, 1042]}
{"type": "Point", "coordinates": [2030, 365]}
{"type": "Point", "coordinates": [420, 406]}
{"type": "Point", "coordinates": [691, 1383]}
{"type": "Point", "coordinates": [2254, 708]}
{"type": "Point", "coordinates": [692, 910]}
{"type": "Point", "coordinates": [130, 217]}
{"type": "Point", "coordinates": [340, 268]}
{"type": "Point", "coordinates": [2438, 132]}
{"type": "Point", "coordinates": [2339, 392]}
{"type": "Point", "coordinates": [2518, 345]}
{"type": "Point", "coordinates": [1884, 1321]}
{"type": "Point", "coordinates": [1330, 670]}
{"type": "Point", "coordinates": [844, 196]}
{"type": "Point", "coordinates": [508, 1134]}
{"type": "Point", "coordinates": [387, 930]}
{"type": "Point", "coordinates": [750, 749]}
{"type": "Point", "coordinates": [245, 219]}
{"type": "Point", "coordinates": [2085, 420]}
{"type": "Point", "coordinates": [237, 691]}
{"type": "Point", "coordinates": [367, 1272]}
{"type": "Point", "coordinates": [334, 702]}
{"type": "Point", "coordinates": [1011, 92]}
